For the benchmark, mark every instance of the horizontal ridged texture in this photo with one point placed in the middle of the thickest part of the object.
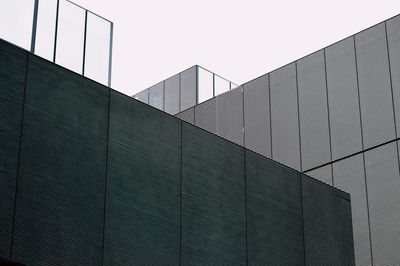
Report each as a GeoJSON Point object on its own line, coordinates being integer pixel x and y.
{"type": "Point", "coordinates": [12, 82]}
{"type": "Point", "coordinates": [62, 168]}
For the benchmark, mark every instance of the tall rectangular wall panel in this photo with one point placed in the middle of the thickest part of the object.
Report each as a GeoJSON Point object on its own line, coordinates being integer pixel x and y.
{"type": "Point", "coordinates": [328, 234]}
{"type": "Point", "coordinates": [344, 112]}
{"type": "Point", "coordinates": [375, 87]}
{"type": "Point", "coordinates": [188, 87]}
{"type": "Point", "coordinates": [206, 115]}
{"type": "Point", "coordinates": [314, 125]}
{"type": "Point", "coordinates": [284, 116]}
{"type": "Point", "coordinates": [383, 187]}
{"type": "Point", "coordinates": [257, 116]}
{"type": "Point", "coordinates": [12, 82]}
{"type": "Point", "coordinates": [393, 38]}
{"type": "Point", "coordinates": [274, 213]}
{"type": "Point", "coordinates": [143, 185]}
{"type": "Point", "coordinates": [60, 199]}
{"type": "Point", "coordinates": [172, 95]}
{"type": "Point", "coordinates": [230, 115]}
{"type": "Point", "coordinates": [156, 96]}
{"type": "Point", "coordinates": [213, 200]}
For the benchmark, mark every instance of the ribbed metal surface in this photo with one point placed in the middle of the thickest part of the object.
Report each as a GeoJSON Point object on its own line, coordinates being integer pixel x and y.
{"type": "Point", "coordinates": [62, 168]}
{"type": "Point", "coordinates": [188, 87]}
{"type": "Point", "coordinates": [142, 208]}
{"type": "Point", "coordinates": [172, 95]}
{"type": "Point", "coordinates": [257, 116]}
{"type": "Point", "coordinates": [230, 115]}
{"type": "Point", "coordinates": [213, 203]}
{"type": "Point", "coordinates": [274, 213]}
{"type": "Point", "coordinates": [12, 82]}
{"type": "Point", "coordinates": [206, 115]}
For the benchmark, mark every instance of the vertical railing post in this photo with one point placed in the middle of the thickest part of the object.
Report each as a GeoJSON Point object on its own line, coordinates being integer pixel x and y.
{"type": "Point", "coordinates": [56, 32]}
{"type": "Point", "coordinates": [84, 44]}
{"type": "Point", "coordinates": [34, 26]}
{"type": "Point", "coordinates": [110, 54]}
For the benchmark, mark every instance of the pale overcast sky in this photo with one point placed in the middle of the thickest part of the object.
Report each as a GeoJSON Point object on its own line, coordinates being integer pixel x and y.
{"type": "Point", "coordinates": [239, 40]}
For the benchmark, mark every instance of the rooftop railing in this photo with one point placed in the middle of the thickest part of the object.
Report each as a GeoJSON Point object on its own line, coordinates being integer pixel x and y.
{"type": "Point", "coordinates": [62, 32]}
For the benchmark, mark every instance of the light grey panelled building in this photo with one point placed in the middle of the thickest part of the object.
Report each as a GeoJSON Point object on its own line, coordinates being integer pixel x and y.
{"type": "Point", "coordinates": [335, 115]}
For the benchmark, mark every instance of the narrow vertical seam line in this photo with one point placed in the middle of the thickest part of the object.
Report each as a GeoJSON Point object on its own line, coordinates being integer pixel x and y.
{"type": "Point", "coordinates": [298, 116]}
{"type": "Point", "coordinates": [270, 113]}
{"type": "Point", "coordinates": [110, 53]}
{"type": "Point", "coordinates": [19, 157]}
{"type": "Point", "coordinates": [245, 204]}
{"type": "Point", "coordinates": [84, 44]}
{"type": "Point", "coordinates": [180, 197]}
{"type": "Point", "coordinates": [56, 32]}
{"type": "Point", "coordinates": [243, 120]}
{"type": "Point", "coordinates": [329, 117]}
{"type": "Point", "coordinates": [362, 146]}
{"type": "Point", "coordinates": [106, 176]}
{"type": "Point", "coordinates": [302, 216]}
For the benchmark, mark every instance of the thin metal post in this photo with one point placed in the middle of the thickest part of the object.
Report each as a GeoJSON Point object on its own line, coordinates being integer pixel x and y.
{"type": "Point", "coordinates": [34, 25]}
{"type": "Point", "coordinates": [56, 32]}
{"type": "Point", "coordinates": [84, 44]}
{"type": "Point", "coordinates": [110, 54]}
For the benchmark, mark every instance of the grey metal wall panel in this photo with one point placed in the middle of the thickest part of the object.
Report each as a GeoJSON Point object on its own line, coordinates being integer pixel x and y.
{"type": "Point", "coordinates": [383, 184]}
{"type": "Point", "coordinates": [187, 115]}
{"type": "Point", "coordinates": [206, 115]}
{"type": "Point", "coordinates": [393, 35]}
{"type": "Point", "coordinates": [213, 200]}
{"type": "Point", "coordinates": [257, 116]}
{"type": "Point", "coordinates": [274, 213]}
{"type": "Point", "coordinates": [344, 110]}
{"type": "Point", "coordinates": [314, 125]}
{"type": "Point", "coordinates": [12, 83]}
{"type": "Point", "coordinates": [172, 95]}
{"type": "Point", "coordinates": [188, 88]}
{"type": "Point", "coordinates": [349, 176]}
{"type": "Point", "coordinates": [230, 115]}
{"type": "Point", "coordinates": [156, 96]}
{"type": "Point", "coordinates": [374, 83]}
{"type": "Point", "coordinates": [143, 192]}
{"type": "Point", "coordinates": [328, 234]}
{"type": "Point", "coordinates": [284, 116]}
{"type": "Point", "coordinates": [61, 183]}
{"type": "Point", "coordinates": [323, 174]}
{"type": "Point", "coordinates": [142, 96]}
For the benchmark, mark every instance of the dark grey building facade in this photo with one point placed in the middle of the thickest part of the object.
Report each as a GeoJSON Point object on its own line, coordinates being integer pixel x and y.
{"type": "Point", "coordinates": [89, 176]}
{"type": "Point", "coordinates": [335, 115]}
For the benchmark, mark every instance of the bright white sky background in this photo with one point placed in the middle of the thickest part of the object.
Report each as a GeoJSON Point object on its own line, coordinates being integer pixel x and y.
{"type": "Point", "coordinates": [239, 40]}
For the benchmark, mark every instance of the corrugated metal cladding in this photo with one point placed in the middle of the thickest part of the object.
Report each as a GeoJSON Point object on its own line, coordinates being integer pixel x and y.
{"type": "Point", "coordinates": [90, 176]}
{"type": "Point", "coordinates": [187, 115]}
{"type": "Point", "coordinates": [206, 115]}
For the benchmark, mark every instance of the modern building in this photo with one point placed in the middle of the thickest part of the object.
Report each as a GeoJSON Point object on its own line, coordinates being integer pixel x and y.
{"type": "Point", "coordinates": [335, 115]}
{"type": "Point", "coordinates": [89, 176]}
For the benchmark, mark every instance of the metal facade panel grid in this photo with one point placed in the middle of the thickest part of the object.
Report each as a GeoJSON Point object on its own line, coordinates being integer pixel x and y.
{"type": "Point", "coordinates": [213, 200]}
{"type": "Point", "coordinates": [206, 115]}
{"type": "Point", "coordinates": [393, 38]}
{"type": "Point", "coordinates": [274, 213]}
{"type": "Point", "coordinates": [375, 87]}
{"type": "Point", "coordinates": [156, 96]}
{"type": "Point", "coordinates": [344, 112]}
{"type": "Point", "coordinates": [188, 87]}
{"type": "Point", "coordinates": [313, 110]}
{"type": "Point", "coordinates": [187, 115]}
{"type": "Point", "coordinates": [172, 95]}
{"type": "Point", "coordinates": [323, 174]}
{"type": "Point", "coordinates": [328, 234]}
{"type": "Point", "coordinates": [143, 192]}
{"type": "Point", "coordinates": [383, 186]}
{"type": "Point", "coordinates": [12, 83]}
{"type": "Point", "coordinates": [284, 116]}
{"type": "Point", "coordinates": [256, 115]}
{"type": "Point", "coordinates": [60, 199]}
{"type": "Point", "coordinates": [230, 115]}
{"type": "Point", "coordinates": [349, 175]}
{"type": "Point", "coordinates": [142, 96]}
